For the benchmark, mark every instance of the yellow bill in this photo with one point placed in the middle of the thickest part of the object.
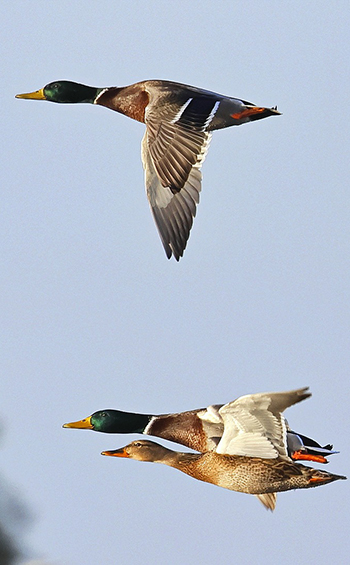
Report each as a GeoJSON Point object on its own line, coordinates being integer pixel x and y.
{"type": "Point", "coordinates": [80, 424]}
{"type": "Point", "coordinates": [37, 95]}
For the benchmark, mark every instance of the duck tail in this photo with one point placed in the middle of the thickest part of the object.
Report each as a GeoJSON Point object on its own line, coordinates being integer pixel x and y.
{"type": "Point", "coordinates": [303, 448]}
{"type": "Point", "coordinates": [322, 478]}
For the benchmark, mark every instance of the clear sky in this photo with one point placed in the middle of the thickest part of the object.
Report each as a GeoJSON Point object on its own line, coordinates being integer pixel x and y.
{"type": "Point", "coordinates": [93, 314]}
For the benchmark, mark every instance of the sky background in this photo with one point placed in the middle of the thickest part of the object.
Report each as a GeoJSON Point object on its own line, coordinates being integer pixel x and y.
{"type": "Point", "coordinates": [93, 314]}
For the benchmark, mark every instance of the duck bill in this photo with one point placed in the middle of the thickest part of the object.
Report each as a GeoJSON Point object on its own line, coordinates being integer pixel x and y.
{"type": "Point", "coordinates": [256, 113]}
{"type": "Point", "coordinates": [37, 95]}
{"type": "Point", "coordinates": [116, 452]}
{"type": "Point", "coordinates": [81, 424]}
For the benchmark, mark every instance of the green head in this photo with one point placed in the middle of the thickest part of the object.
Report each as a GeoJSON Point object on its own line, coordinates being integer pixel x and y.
{"type": "Point", "coordinates": [113, 422]}
{"type": "Point", "coordinates": [64, 92]}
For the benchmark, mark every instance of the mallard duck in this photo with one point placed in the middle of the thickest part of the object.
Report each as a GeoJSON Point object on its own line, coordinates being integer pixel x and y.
{"type": "Point", "coordinates": [179, 120]}
{"type": "Point", "coordinates": [251, 456]}
{"type": "Point", "coordinates": [200, 429]}
{"type": "Point", "coordinates": [251, 475]}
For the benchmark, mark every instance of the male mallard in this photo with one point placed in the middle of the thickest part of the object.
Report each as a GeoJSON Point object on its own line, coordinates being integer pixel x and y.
{"type": "Point", "coordinates": [252, 454]}
{"type": "Point", "coordinates": [200, 429]}
{"type": "Point", "coordinates": [179, 120]}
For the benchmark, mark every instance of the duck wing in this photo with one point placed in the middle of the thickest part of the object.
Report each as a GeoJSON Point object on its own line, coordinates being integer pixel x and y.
{"type": "Point", "coordinates": [268, 499]}
{"type": "Point", "coordinates": [173, 150]}
{"type": "Point", "coordinates": [212, 425]}
{"type": "Point", "coordinates": [254, 425]}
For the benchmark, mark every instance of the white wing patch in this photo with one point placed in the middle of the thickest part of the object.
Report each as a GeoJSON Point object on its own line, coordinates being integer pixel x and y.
{"type": "Point", "coordinates": [211, 414]}
{"type": "Point", "coordinates": [211, 115]}
{"type": "Point", "coordinates": [254, 425]}
{"type": "Point", "coordinates": [247, 444]}
{"type": "Point", "coordinates": [181, 111]}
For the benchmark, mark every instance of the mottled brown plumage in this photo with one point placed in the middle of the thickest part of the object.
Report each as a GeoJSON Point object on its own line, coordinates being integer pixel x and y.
{"type": "Point", "coordinates": [251, 475]}
{"type": "Point", "coordinates": [250, 452]}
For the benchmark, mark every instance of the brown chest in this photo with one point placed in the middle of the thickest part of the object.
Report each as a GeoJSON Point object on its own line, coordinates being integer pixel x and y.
{"type": "Point", "coordinates": [128, 101]}
{"type": "Point", "coordinates": [185, 428]}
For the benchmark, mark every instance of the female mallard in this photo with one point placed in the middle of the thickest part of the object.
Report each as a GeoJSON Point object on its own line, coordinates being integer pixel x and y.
{"type": "Point", "coordinates": [179, 120]}
{"type": "Point", "coordinates": [253, 475]}
{"type": "Point", "coordinates": [199, 429]}
{"type": "Point", "coordinates": [252, 454]}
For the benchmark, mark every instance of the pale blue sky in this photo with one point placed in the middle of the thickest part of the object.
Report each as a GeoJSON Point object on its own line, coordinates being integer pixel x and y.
{"type": "Point", "coordinates": [95, 316]}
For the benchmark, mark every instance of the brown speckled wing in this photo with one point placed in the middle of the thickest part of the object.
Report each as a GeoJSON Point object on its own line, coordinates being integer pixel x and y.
{"type": "Point", "coordinates": [173, 150]}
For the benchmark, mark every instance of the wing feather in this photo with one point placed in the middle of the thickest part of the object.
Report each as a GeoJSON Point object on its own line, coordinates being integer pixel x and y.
{"type": "Point", "coordinates": [173, 149]}
{"type": "Point", "coordinates": [254, 425]}
{"type": "Point", "coordinates": [173, 210]}
{"type": "Point", "coordinates": [268, 499]}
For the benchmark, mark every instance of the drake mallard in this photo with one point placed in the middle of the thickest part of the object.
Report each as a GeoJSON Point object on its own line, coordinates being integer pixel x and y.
{"type": "Point", "coordinates": [200, 429]}
{"type": "Point", "coordinates": [179, 120]}
{"type": "Point", "coordinates": [252, 454]}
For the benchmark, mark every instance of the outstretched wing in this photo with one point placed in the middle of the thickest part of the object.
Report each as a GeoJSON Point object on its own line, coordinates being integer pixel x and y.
{"type": "Point", "coordinates": [173, 150]}
{"type": "Point", "coordinates": [254, 425]}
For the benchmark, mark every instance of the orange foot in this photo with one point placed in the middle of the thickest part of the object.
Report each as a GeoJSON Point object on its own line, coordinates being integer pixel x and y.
{"type": "Point", "coordinates": [300, 455]}
{"type": "Point", "coordinates": [316, 479]}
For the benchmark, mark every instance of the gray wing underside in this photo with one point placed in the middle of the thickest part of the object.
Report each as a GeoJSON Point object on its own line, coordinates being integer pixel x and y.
{"type": "Point", "coordinates": [172, 159]}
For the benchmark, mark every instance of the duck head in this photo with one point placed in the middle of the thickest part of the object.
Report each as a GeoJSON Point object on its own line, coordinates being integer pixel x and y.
{"type": "Point", "coordinates": [64, 92]}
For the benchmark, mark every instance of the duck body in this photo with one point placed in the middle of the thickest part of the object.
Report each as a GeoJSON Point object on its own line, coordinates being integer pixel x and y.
{"type": "Point", "coordinates": [200, 429]}
{"type": "Point", "coordinates": [244, 443]}
{"type": "Point", "coordinates": [250, 475]}
{"type": "Point", "coordinates": [179, 120]}
{"type": "Point", "coordinates": [184, 104]}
